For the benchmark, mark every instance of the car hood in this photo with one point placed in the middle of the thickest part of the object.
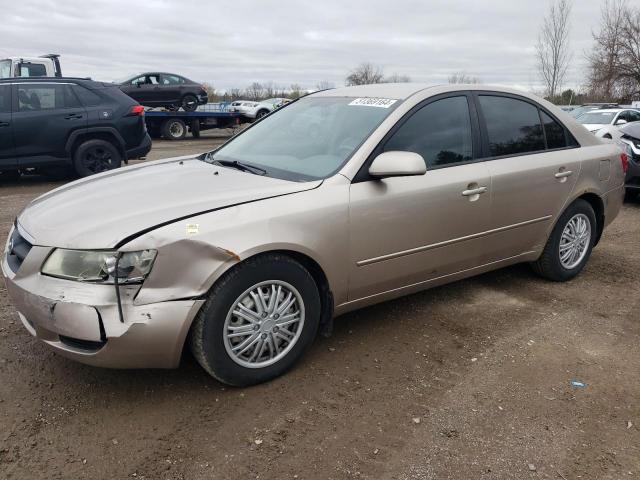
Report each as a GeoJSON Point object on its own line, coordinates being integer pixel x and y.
{"type": "Point", "coordinates": [101, 211]}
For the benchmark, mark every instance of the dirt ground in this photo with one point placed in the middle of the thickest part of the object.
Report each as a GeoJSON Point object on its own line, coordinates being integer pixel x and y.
{"type": "Point", "coordinates": [467, 381]}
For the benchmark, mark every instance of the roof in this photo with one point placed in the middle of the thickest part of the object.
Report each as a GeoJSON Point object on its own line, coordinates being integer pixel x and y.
{"type": "Point", "coordinates": [87, 82]}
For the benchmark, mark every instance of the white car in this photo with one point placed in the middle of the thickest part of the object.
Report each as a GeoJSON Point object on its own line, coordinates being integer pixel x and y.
{"type": "Point", "coordinates": [595, 120]}
{"type": "Point", "coordinates": [256, 110]}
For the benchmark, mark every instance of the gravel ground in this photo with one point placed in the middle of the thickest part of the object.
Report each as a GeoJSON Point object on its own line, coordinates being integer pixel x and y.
{"type": "Point", "coordinates": [469, 380]}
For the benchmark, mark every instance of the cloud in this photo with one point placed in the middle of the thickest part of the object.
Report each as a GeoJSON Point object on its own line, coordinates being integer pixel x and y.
{"type": "Point", "coordinates": [231, 44]}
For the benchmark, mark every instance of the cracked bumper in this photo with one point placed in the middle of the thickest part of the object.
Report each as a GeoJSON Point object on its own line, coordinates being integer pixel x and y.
{"type": "Point", "coordinates": [81, 320]}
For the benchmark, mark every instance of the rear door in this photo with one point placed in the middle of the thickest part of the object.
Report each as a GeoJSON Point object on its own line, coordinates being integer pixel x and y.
{"type": "Point", "coordinates": [533, 171]}
{"type": "Point", "coordinates": [7, 153]}
{"type": "Point", "coordinates": [406, 230]}
{"type": "Point", "coordinates": [171, 87]}
{"type": "Point", "coordinates": [44, 116]}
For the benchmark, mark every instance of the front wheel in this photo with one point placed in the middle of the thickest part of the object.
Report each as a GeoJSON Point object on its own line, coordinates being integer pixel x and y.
{"type": "Point", "coordinates": [96, 156]}
{"type": "Point", "coordinates": [258, 320]}
{"type": "Point", "coordinates": [174, 129]}
{"type": "Point", "coordinates": [569, 246]}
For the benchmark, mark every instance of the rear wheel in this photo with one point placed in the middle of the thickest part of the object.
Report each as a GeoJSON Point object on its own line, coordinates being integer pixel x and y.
{"type": "Point", "coordinates": [189, 103]}
{"type": "Point", "coordinates": [259, 319]}
{"type": "Point", "coordinates": [631, 194]}
{"type": "Point", "coordinates": [195, 128]}
{"type": "Point", "coordinates": [261, 114]}
{"type": "Point", "coordinates": [570, 243]}
{"type": "Point", "coordinates": [96, 156]}
{"type": "Point", "coordinates": [174, 129]}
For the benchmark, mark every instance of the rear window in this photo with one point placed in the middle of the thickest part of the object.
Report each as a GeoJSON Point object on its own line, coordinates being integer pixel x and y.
{"type": "Point", "coordinates": [513, 126]}
{"type": "Point", "coordinates": [5, 68]}
{"type": "Point", "coordinates": [87, 97]}
{"type": "Point", "coordinates": [32, 70]}
{"type": "Point", "coordinates": [596, 117]}
{"type": "Point", "coordinates": [554, 131]}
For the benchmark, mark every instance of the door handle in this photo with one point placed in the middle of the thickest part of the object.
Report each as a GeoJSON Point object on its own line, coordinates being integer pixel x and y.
{"type": "Point", "coordinates": [73, 116]}
{"type": "Point", "coordinates": [474, 191]}
{"type": "Point", "coordinates": [563, 174]}
{"type": "Point", "coordinates": [4, 124]}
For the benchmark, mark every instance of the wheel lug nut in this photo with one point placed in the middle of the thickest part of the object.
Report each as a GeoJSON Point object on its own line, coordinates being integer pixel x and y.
{"type": "Point", "coordinates": [264, 335]}
{"type": "Point", "coordinates": [276, 316]}
{"type": "Point", "coordinates": [256, 327]}
{"type": "Point", "coordinates": [264, 315]}
{"type": "Point", "coordinates": [275, 329]}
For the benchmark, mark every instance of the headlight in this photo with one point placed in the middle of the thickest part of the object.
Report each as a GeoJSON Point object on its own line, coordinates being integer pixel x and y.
{"type": "Point", "coordinates": [99, 265]}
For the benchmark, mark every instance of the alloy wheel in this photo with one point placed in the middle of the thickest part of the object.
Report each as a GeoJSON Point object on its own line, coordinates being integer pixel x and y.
{"type": "Point", "coordinates": [574, 242]}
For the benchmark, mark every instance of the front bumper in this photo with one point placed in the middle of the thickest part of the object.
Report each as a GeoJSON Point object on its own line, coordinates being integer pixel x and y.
{"type": "Point", "coordinates": [81, 320]}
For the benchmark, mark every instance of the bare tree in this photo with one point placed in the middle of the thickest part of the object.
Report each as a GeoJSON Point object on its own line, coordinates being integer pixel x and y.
{"type": "Point", "coordinates": [255, 91]}
{"type": "Point", "coordinates": [295, 91]}
{"type": "Point", "coordinates": [461, 77]}
{"type": "Point", "coordinates": [552, 49]}
{"type": "Point", "coordinates": [324, 85]}
{"type": "Point", "coordinates": [614, 63]}
{"type": "Point", "coordinates": [365, 74]}
{"type": "Point", "coordinates": [397, 78]}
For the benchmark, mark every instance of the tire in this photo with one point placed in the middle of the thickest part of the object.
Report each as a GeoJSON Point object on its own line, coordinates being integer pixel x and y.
{"type": "Point", "coordinates": [189, 103]}
{"type": "Point", "coordinates": [208, 337]}
{"type": "Point", "coordinates": [9, 175]}
{"type": "Point", "coordinates": [631, 194]}
{"type": "Point", "coordinates": [195, 128]}
{"type": "Point", "coordinates": [261, 113]}
{"type": "Point", "coordinates": [174, 129]}
{"type": "Point", "coordinates": [96, 156]}
{"type": "Point", "coordinates": [550, 265]}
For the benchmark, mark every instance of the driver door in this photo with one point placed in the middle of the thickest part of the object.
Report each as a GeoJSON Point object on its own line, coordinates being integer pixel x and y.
{"type": "Point", "coordinates": [408, 230]}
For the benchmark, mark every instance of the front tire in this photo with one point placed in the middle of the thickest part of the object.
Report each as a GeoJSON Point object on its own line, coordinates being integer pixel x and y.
{"type": "Point", "coordinates": [261, 113]}
{"type": "Point", "coordinates": [569, 246]}
{"type": "Point", "coordinates": [96, 156]}
{"type": "Point", "coordinates": [258, 320]}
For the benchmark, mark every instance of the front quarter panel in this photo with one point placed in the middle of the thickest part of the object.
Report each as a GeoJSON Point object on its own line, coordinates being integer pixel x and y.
{"type": "Point", "coordinates": [194, 253]}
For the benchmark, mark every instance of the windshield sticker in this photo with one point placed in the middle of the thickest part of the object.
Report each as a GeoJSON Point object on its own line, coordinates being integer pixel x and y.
{"type": "Point", "coordinates": [193, 228]}
{"type": "Point", "coordinates": [373, 102]}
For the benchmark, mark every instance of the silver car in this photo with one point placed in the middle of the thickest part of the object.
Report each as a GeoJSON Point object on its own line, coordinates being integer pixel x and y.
{"type": "Point", "coordinates": [339, 200]}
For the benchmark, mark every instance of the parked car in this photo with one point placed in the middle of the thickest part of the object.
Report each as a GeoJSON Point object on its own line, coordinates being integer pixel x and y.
{"type": "Point", "coordinates": [245, 252]}
{"type": "Point", "coordinates": [257, 110]}
{"type": "Point", "coordinates": [57, 124]}
{"type": "Point", "coordinates": [157, 89]}
{"type": "Point", "coordinates": [628, 138]}
{"type": "Point", "coordinates": [43, 66]}
{"type": "Point", "coordinates": [577, 111]}
{"type": "Point", "coordinates": [594, 120]}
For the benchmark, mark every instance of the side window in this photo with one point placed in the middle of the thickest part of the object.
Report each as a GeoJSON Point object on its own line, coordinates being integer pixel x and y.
{"type": "Point", "coordinates": [87, 97]}
{"type": "Point", "coordinates": [634, 116]}
{"type": "Point", "coordinates": [5, 98]}
{"type": "Point", "coordinates": [171, 80]}
{"type": "Point", "coordinates": [153, 79]}
{"type": "Point", "coordinates": [513, 126]}
{"type": "Point", "coordinates": [439, 131]}
{"type": "Point", "coordinates": [554, 132]}
{"type": "Point", "coordinates": [38, 97]}
{"type": "Point", "coordinates": [139, 80]}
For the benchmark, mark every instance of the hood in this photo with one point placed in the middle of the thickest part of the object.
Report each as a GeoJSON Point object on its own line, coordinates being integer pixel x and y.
{"type": "Point", "coordinates": [100, 211]}
{"type": "Point", "coordinates": [593, 127]}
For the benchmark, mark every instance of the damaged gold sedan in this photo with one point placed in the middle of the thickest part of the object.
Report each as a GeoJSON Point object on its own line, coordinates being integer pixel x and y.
{"type": "Point", "coordinates": [339, 200]}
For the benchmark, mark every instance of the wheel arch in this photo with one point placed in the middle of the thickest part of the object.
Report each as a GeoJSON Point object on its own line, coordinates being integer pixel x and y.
{"type": "Point", "coordinates": [597, 204]}
{"type": "Point", "coordinates": [107, 134]}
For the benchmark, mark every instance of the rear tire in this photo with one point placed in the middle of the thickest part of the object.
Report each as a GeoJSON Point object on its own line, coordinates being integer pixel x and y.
{"type": "Point", "coordinates": [174, 129]}
{"type": "Point", "coordinates": [195, 128]}
{"type": "Point", "coordinates": [217, 334]}
{"type": "Point", "coordinates": [189, 103]}
{"type": "Point", "coordinates": [631, 194]}
{"type": "Point", "coordinates": [96, 156]}
{"type": "Point", "coordinates": [569, 246]}
{"type": "Point", "coordinates": [261, 113]}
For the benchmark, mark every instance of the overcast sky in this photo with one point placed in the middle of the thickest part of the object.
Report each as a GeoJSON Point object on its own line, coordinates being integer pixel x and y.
{"type": "Point", "coordinates": [235, 42]}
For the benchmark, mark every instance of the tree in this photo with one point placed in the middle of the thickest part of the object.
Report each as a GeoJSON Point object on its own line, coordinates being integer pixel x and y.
{"type": "Point", "coordinates": [255, 91]}
{"type": "Point", "coordinates": [211, 91]}
{"type": "Point", "coordinates": [614, 63]}
{"type": "Point", "coordinates": [397, 78]}
{"type": "Point", "coordinates": [552, 49]}
{"type": "Point", "coordinates": [461, 77]}
{"type": "Point", "coordinates": [365, 74]}
{"type": "Point", "coordinates": [325, 85]}
{"type": "Point", "coordinates": [295, 91]}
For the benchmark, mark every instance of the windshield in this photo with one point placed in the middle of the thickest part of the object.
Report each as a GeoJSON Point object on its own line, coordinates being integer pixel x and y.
{"type": "Point", "coordinates": [596, 117]}
{"type": "Point", "coordinates": [5, 68]}
{"type": "Point", "coordinates": [307, 140]}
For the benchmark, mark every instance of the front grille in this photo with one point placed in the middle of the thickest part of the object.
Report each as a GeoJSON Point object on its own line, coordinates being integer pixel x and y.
{"type": "Point", "coordinates": [19, 248]}
{"type": "Point", "coordinates": [80, 344]}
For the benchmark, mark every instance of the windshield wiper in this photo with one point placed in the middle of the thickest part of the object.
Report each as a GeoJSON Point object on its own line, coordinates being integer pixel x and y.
{"type": "Point", "coordinates": [244, 167]}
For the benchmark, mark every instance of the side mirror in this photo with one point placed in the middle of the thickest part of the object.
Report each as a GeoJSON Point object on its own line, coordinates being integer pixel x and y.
{"type": "Point", "coordinates": [621, 121]}
{"type": "Point", "coordinates": [397, 164]}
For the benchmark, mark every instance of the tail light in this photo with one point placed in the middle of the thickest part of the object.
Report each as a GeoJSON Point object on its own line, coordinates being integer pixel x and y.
{"type": "Point", "coordinates": [136, 111]}
{"type": "Point", "coordinates": [624, 158]}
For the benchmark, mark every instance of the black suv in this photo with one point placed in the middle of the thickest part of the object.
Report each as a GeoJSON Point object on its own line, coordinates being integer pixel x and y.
{"type": "Point", "coordinates": [165, 90]}
{"type": "Point", "coordinates": [54, 124]}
